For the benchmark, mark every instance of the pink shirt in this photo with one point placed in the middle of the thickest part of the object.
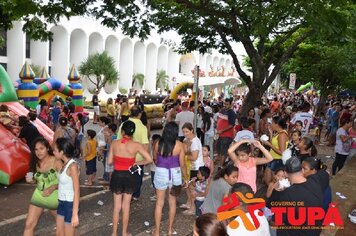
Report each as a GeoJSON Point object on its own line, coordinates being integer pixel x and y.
{"type": "Point", "coordinates": [353, 135]}
{"type": "Point", "coordinates": [247, 173]}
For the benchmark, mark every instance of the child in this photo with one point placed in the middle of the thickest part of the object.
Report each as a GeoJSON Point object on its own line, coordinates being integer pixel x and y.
{"type": "Point", "coordinates": [206, 158]}
{"type": "Point", "coordinates": [298, 125]}
{"type": "Point", "coordinates": [56, 111]}
{"type": "Point", "coordinates": [90, 157]}
{"type": "Point", "coordinates": [295, 140]}
{"type": "Point", "coordinates": [68, 188]}
{"type": "Point", "coordinates": [200, 188]}
{"type": "Point", "coordinates": [279, 174]}
{"type": "Point", "coordinates": [155, 138]}
{"type": "Point", "coordinates": [245, 133]}
{"type": "Point", "coordinates": [219, 188]}
{"type": "Point", "coordinates": [240, 154]}
{"type": "Point", "coordinates": [112, 132]}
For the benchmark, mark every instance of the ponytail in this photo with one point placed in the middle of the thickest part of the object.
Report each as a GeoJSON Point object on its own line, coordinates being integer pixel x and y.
{"type": "Point", "coordinates": [227, 170]}
{"type": "Point", "coordinates": [310, 147]}
{"type": "Point", "coordinates": [315, 163]}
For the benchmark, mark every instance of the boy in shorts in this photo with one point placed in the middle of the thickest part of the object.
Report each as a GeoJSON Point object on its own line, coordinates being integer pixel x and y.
{"type": "Point", "coordinates": [90, 156]}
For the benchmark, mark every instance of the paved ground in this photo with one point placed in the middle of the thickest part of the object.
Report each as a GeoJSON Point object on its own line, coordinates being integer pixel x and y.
{"type": "Point", "coordinates": [96, 219]}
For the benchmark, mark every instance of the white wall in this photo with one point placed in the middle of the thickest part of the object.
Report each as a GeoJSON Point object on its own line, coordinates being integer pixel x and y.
{"type": "Point", "coordinates": [75, 39]}
{"type": "Point", "coordinates": [60, 53]}
{"type": "Point", "coordinates": [39, 53]}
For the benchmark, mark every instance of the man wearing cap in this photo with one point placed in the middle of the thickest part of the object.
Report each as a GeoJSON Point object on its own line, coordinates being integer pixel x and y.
{"type": "Point", "coordinates": [307, 192]}
{"type": "Point", "coordinates": [140, 135]}
{"type": "Point", "coordinates": [185, 116]}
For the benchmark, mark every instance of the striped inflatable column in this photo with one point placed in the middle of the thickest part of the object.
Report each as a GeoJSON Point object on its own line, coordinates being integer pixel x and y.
{"type": "Point", "coordinates": [77, 88]}
{"type": "Point", "coordinates": [28, 90]}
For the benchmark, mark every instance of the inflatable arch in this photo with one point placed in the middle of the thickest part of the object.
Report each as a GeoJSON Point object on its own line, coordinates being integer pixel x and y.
{"type": "Point", "coordinates": [180, 87]}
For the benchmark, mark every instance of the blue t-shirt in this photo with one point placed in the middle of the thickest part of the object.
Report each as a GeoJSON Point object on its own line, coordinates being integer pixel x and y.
{"type": "Point", "coordinates": [55, 114]}
{"type": "Point", "coordinates": [335, 119]}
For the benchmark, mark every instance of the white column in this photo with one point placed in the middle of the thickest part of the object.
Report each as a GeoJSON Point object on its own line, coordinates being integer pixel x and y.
{"type": "Point", "coordinates": [126, 64]}
{"type": "Point", "coordinates": [112, 47]}
{"type": "Point", "coordinates": [16, 50]}
{"type": "Point", "coordinates": [162, 60]}
{"type": "Point", "coordinates": [96, 43]}
{"type": "Point", "coordinates": [151, 68]}
{"type": "Point", "coordinates": [78, 47]}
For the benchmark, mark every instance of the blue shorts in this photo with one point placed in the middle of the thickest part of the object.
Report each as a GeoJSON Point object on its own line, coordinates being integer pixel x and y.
{"type": "Point", "coordinates": [162, 181]}
{"type": "Point", "coordinates": [275, 164]}
{"type": "Point", "coordinates": [65, 210]}
{"type": "Point", "coordinates": [90, 166]}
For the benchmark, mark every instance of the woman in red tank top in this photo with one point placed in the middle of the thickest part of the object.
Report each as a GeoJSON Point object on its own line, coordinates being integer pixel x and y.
{"type": "Point", "coordinates": [122, 184]}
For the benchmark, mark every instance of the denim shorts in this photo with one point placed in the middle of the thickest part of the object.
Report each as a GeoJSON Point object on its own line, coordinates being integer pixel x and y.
{"type": "Point", "coordinates": [65, 210]}
{"type": "Point", "coordinates": [162, 181]}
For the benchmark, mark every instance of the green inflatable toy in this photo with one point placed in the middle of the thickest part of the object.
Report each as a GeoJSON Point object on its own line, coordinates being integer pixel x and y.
{"type": "Point", "coordinates": [7, 90]}
{"type": "Point", "coordinates": [303, 87]}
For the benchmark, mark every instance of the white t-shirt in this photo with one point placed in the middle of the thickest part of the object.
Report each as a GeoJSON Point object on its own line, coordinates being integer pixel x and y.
{"type": "Point", "coordinates": [182, 118]}
{"type": "Point", "coordinates": [244, 134]}
{"type": "Point", "coordinates": [306, 118]}
{"type": "Point", "coordinates": [210, 131]}
{"type": "Point", "coordinates": [196, 145]}
{"type": "Point", "coordinates": [339, 144]}
{"type": "Point", "coordinates": [242, 231]}
{"type": "Point", "coordinates": [199, 121]}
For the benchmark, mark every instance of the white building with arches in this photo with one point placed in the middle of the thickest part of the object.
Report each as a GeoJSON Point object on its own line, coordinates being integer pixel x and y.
{"type": "Point", "coordinates": [75, 39]}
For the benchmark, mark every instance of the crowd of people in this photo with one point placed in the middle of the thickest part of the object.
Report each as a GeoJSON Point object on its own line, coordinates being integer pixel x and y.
{"type": "Point", "coordinates": [226, 151]}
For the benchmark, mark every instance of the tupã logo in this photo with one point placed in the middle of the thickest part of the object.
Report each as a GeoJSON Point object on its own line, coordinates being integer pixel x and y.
{"type": "Point", "coordinates": [227, 211]}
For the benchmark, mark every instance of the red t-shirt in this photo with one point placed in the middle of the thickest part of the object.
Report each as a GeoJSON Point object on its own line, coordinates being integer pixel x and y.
{"type": "Point", "coordinates": [275, 105]}
{"type": "Point", "coordinates": [226, 118]}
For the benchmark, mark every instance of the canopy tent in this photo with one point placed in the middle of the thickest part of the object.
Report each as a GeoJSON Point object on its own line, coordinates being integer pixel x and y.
{"type": "Point", "coordinates": [212, 82]}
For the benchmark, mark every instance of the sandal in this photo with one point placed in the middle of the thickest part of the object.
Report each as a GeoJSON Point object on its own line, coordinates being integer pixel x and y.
{"type": "Point", "coordinates": [87, 184]}
{"type": "Point", "coordinates": [188, 213]}
{"type": "Point", "coordinates": [184, 206]}
{"type": "Point", "coordinates": [174, 232]}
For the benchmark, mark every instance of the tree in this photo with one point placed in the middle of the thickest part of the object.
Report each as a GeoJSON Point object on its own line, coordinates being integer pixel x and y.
{"type": "Point", "coordinates": [138, 80]}
{"type": "Point", "coordinates": [327, 62]}
{"type": "Point", "coordinates": [330, 67]}
{"type": "Point", "coordinates": [102, 67]}
{"type": "Point", "coordinates": [270, 31]}
{"type": "Point", "coordinates": [161, 80]}
{"type": "Point", "coordinates": [264, 28]}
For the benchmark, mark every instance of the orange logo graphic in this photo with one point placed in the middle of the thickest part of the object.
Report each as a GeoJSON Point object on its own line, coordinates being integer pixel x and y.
{"type": "Point", "coordinates": [232, 202]}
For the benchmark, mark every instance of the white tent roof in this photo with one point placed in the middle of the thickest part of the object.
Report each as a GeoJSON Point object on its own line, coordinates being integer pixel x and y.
{"type": "Point", "coordinates": [210, 81]}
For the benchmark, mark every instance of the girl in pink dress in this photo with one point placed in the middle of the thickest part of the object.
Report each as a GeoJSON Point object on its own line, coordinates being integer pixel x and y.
{"type": "Point", "coordinates": [240, 154]}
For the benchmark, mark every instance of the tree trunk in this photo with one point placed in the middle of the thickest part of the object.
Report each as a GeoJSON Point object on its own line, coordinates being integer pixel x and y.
{"type": "Point", "coordinates": [323, 96]}
{"type": "Point", "coordinates": [254, 94]}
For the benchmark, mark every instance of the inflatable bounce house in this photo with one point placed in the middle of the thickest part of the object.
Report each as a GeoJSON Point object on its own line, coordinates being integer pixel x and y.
{"type": "Point", "coordinates": [31, 90]}
{"type": "Point", "coordinates": [14, 153]}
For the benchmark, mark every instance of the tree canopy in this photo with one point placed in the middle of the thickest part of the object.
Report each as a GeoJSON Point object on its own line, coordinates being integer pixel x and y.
{"type": "Point", "coordinates": [270, 31]}
{"type": "Point", "coordinates": [100, 69]}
